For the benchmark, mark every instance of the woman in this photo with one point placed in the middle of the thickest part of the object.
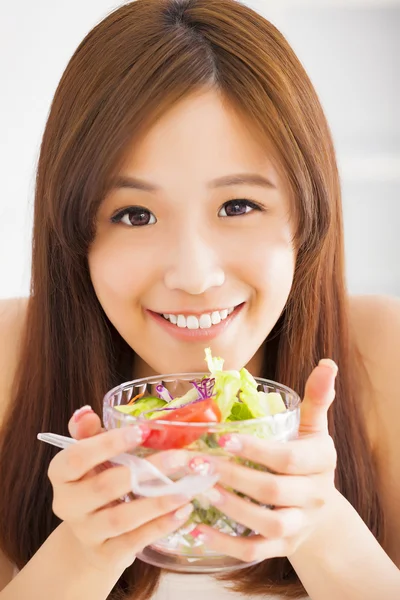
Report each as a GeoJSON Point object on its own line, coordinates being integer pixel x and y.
{"type": "Point", "coordinates": [187, 168]}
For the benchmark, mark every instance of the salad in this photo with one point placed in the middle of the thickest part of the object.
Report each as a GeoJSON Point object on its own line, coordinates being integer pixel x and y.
{"type": "Point", "coordinates": [220, 397]}
{"type": "Point", "coordinates": [223, 401]}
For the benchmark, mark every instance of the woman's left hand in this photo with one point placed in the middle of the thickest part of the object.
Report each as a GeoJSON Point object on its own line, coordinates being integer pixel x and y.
{"type": "Point", "coordinates": [300, 490]}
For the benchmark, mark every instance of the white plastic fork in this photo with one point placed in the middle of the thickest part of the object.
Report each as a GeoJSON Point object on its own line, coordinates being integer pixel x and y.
{"type": "Point", "coordinates": [140, 468]}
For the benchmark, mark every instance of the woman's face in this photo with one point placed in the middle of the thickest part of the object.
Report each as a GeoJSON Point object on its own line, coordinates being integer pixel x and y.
{"type": "Point", "coordinates": [203, 254]}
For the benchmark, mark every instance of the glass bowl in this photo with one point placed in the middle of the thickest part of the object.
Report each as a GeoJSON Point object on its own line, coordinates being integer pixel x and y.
{"type": "Point", "coordinates": [180, 551]}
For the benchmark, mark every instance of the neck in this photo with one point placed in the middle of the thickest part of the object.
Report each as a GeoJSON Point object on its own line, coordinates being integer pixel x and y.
{"type": "Point", "coordinates": [254, 366]}
{"type": "Point", "coordinates": [141, 369]}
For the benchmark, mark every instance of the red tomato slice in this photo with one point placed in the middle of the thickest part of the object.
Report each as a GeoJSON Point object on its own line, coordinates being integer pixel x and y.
{"type": "Point", "coordinates": [170, 436]}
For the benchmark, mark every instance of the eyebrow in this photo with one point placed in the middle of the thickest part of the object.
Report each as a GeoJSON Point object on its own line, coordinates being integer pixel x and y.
{"type": "Point", "coordinates": [123, 181]}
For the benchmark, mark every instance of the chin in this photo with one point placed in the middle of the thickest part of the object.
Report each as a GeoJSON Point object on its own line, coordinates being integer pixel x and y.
{"type": "Point", "coordinates": [170, 364]}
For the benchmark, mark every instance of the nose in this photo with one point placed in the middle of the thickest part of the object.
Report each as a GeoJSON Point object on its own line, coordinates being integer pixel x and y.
{"type": "Point", "coordinates": [193, 265]}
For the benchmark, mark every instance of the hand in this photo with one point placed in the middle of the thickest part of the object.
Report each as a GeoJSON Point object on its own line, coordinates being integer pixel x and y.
{"type": "Point", "coordinates": [86, 496]}
{"type": "Point", "coordinates": [300, 487]}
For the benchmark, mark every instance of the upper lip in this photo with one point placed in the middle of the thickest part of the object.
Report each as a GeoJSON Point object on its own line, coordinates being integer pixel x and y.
{"type": "Point", "coordinates": [195, 313]}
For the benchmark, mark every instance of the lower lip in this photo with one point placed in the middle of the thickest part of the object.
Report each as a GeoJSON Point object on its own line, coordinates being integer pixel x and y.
{"type": "Point", "coordinates": [183, 333]}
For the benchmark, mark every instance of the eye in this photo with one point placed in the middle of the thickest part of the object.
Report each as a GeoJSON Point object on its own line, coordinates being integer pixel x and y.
{"type": "Point", "coordinates": [234, 208]}
{"type": "Point", "coordinates": [134, 216]}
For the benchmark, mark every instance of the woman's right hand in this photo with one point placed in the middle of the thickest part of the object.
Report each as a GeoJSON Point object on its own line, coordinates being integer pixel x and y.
{"type": "Point", "coordinates": [111, 533]}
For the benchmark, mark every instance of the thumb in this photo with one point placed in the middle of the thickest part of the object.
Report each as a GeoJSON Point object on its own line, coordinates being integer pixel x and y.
{"type": "Point", "coordinates": [84, 423]}
{"type": "Point", "coordinates": [319, 395]}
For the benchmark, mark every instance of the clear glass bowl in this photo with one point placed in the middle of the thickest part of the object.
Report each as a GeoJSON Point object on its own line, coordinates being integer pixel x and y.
{"type": "Point", "coordinates": [181, 551]}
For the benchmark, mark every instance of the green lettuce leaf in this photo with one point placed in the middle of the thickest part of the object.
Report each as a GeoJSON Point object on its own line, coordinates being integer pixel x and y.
{"type": "Point", "coordinates": [240, 412]}
{"type": "Point", "coordinates": [140, 406]}
{"type": "Point", "coordinates": [272, 402]}
{"type": "Point", "coordinates": [227, 384]}
{"type": "Point", "coordinates": [214, 364]}
{"type": "Point", "coordinates": [191, 395]}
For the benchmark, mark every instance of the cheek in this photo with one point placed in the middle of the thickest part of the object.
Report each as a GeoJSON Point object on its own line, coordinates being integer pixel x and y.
{"type": "Point", "coordinates": [116, 269]}
{"type": "Point", "coordinates": [271, 267]}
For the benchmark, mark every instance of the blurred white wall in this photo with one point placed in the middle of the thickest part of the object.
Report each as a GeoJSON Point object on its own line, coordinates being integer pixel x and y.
{"type": "Point", "coordinates": [351, 50]}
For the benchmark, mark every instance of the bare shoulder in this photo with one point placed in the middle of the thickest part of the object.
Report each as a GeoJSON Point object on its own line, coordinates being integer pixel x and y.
{"type": "Point", "coordinates": [375, 322]}
{"type": "Point", "coordinates": [375, 325]}
{"type": "Point", "coordinates": [376, 319]}
{"type": "Point", "coordinates": [12, 319]}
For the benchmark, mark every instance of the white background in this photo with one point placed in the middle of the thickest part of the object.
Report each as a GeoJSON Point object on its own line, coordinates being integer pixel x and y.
{"type": "Point", "coordinates": [351, 50]}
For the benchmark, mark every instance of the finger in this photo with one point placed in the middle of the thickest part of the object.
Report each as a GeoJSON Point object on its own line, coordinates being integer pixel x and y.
{"type": "Point", "coordinates": [84, 423]}
{"type": "Point", "coordinates": [319, 395]}
{"type": "Point", "coordinates": [304, 456]}
{"type": "Point", "coordinates": [130, 544]}
{"type": "Point", "coordinates": [250, 549]}
{"type": "Point", "coordinates": [127, 516]}
{"type": "Point", "coordinates": [93, 493]}
{"type": "Point", "coordinates": [170, 461]}
{"type": "Point", "coordinates": [284, 522]}
{"type": "Point", "coordinates": [75, 461]}
{"type": "Point", "coordinates": [267, 488]}
{"type": "Point", "coordinates": [90, 494]}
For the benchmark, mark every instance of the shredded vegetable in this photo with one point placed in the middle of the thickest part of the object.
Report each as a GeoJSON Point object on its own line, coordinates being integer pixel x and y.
{"type": "Point", "coordinates": [235, 393]}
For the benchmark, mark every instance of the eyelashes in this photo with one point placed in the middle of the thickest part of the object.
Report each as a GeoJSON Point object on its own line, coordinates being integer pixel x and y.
{"type": "Point", "coordinates": [237, 208]}
{"type": "Point", "coordinates": [139, 216]}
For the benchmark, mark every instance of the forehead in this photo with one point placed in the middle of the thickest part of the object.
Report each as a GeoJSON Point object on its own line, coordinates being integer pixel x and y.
{"type": "Point", "coordinates": [201, 137]}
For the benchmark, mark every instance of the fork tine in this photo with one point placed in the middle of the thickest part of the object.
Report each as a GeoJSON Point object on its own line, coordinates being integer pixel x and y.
{"type": "Point", "coordinates": [60, 441]}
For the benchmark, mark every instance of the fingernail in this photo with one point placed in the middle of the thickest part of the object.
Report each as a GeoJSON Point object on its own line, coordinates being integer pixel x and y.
{"type": "Point", "coordinates": [201, 465]}
{"type": "Point", "coordinates": [198, 535]}
{"type": "Point", "coordinates": [183, 513]}
{"type": "Point", "coordinates": [136, 434]}
{"type": "Point", "coordinates": [328, 362]}
{"type": "Point", "coordinates": [230, 442]}
{"type": "Point", "coordinates": [78, 414]}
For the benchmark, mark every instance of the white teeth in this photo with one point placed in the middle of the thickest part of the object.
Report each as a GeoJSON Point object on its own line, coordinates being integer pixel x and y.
{"type": "Point", "coordinates": [192, 322]}
{"type": "Point", "coordinates": [205, 321]}
{"type": "Point", "coordinates": [215, 318]}
{"type": "Point", "coordinates": [181, 321]}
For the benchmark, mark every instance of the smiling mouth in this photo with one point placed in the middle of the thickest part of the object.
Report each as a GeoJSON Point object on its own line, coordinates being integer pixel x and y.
{"type": "Point", "coordinates": [204, 321]}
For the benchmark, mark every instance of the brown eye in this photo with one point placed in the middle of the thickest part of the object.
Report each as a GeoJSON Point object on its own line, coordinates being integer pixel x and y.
{"type": "Point", "coordinates": [135, 216]}
{"type": "Point", "coordinates": [235, 208]}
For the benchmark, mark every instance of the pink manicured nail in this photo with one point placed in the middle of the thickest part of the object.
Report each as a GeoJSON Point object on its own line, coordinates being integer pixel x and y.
{"type": "Point", "coordinates": [200, 465]}
{"type": "Point", "coordinates": [230, 442]}
{"type": "Point", "coordinates": [198, 535]}
{"type": "Point", "coordinates": [195, 532]}
{"type": "Point", "coordinates": [78, 414]}
{"type": "Point", "coordinates": [328, 362]}
{"type": "Point", "coordinates": [136, 434]}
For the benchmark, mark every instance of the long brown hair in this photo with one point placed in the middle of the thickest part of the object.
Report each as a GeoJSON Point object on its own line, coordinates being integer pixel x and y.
{"type": "Point", "coordinates": [130, 69]}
